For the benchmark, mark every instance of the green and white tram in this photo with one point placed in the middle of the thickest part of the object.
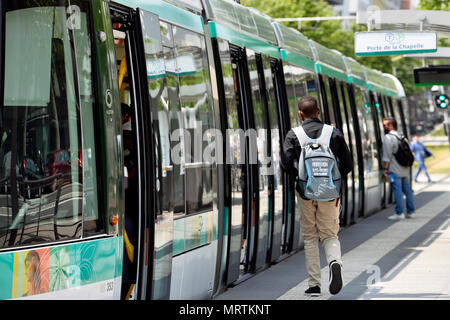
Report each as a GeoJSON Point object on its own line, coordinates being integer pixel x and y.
{"type": "Point", "coordinates": [113, 118]}
{"type": "Point", "coordinates": [62, 165]}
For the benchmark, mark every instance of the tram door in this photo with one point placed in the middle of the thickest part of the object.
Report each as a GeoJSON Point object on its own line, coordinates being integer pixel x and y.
{"type": "Point", "coordinates": [342, 124]}
{"type": "Point", "coordinates": [146, 96]}
{"type": "Point", "coordinates": [352, 143]}
{"type": "Point", "coordinates": [269, 147]}
{"type": "Point", "coordinates": [242, 233]}
{"type": "Point", "coordinates": [337, 107]}
{"type": "Point", "coordinates": [282, 179]}
{"type": "Point", "coordinates": [355, 99]}
{"type": "Point", "coordinates": [162, 103]}
{"type": "Point", "coordinates": [380, 109]}
{"type": "Point", "coordinates": [261, 184]}
{"type": "Point", "coordinates": [133, 169]}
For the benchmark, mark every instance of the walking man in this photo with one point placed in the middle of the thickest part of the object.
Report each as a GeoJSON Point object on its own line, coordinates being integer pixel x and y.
{"type": "Point", "coordinates": [319, 220]}
{"type": "Point", "coordinates": [420, 153]}
{"type": "Point", "coordinates": [396, 173]}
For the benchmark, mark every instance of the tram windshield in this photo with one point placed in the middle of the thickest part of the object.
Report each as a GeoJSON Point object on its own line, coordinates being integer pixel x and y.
{"type": "Point", "coordinates": [48, 184]}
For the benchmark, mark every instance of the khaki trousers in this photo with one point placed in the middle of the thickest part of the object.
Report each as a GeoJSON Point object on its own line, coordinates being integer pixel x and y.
{"type": "Point", "coordinates": [319, 221]}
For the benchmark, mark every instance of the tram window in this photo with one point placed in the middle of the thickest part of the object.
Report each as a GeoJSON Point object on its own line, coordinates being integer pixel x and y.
{"type": "Point", "coordinates": [367, 126]}
{"type": "Point", "coordinates": [197, 115]}
{"type": "Point", "coordinates": [48, 183]}
{"type": "Point", "coordinates": [276, 143]}
{"type": "Point", "coordinates": [166, 34]}
{"type": "Point", "coordinates": [292, 99]}
{"type": "Point", "coordinates": [305, 84]}
{"type": "Point", "coordinates": [261, 126]}
{"type": "Point", "coordinates": [329, 97]}
{"type": "Point", "coordinates": [234, 151]}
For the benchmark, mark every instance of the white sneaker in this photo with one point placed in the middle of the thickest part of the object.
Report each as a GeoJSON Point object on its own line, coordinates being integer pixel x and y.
{"type": "Point", "coordinates": [397, 217]}
{"type": "Point", "coordinates": [410, 215]}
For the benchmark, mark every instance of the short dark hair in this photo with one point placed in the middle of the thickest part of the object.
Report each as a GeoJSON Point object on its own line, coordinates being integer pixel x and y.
{"type": "Point", "coordinates": [308, 105]}
{"type": "Point", "coordinates": [125, 109]}
{"type": "Point", "coordinates": [392, 121]}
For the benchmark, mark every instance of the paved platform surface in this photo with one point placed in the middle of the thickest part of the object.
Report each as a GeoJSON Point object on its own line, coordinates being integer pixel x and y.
{"type": "Point", "coordinates": [382, 259]}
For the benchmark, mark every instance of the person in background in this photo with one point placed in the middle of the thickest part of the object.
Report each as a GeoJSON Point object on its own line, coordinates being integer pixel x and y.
{"type": "Point", "coordinates": [420, 154]}
{"type": "Point", "coordinates": [396, 173]}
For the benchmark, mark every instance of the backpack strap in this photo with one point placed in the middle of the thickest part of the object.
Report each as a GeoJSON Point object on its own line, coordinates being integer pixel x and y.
{"type": "Point", "coordinates": [399, 138]}
{"type": "Point", "coordinates": [324, 139]}
{"type": "Point", "coordinates": [301, 136]}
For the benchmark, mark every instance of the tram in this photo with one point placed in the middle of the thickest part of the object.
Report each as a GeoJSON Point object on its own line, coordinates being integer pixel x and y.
{"type": "Point", "coordinates": [140, 144]}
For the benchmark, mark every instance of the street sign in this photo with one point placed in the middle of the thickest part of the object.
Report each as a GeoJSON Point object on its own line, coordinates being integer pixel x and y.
{"type": "Point", "coordinates": [432, 75]}
{"type": "Point", "coordinates": [391, 43]}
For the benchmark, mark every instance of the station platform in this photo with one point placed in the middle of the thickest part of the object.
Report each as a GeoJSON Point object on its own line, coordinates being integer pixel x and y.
{"type": "Point", "coordinates": [382, 259]}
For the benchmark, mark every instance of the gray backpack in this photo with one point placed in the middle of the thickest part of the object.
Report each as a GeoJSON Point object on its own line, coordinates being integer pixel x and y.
{"type": "Point", "coordinates": [318, 173]}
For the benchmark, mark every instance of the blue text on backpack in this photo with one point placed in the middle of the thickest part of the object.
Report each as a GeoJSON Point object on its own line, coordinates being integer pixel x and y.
{"type": "Point", "coordinates": [318, 173]}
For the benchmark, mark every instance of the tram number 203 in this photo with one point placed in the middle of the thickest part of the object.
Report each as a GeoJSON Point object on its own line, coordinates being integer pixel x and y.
{"type": "Point", "coordinates": [107, 287]}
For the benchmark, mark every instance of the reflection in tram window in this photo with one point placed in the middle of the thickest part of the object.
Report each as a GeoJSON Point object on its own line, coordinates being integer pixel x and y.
{"type": "Point", "coordinates": [274, 166]}
{"type": "Point", "coordinates": [330, 116]}
{"type": "Point", "coordinates": [292, 99]}
{"type": "Point", "coordinates": [305, 84]}
{"type": "Point", "coordinates": [47, 157]}
{"type": "Point", "coordinates": [233, 150]}
{"type": "Point", "coordinates": [368, 136]}
{"type": "Point", "coordinates": [197, 117]}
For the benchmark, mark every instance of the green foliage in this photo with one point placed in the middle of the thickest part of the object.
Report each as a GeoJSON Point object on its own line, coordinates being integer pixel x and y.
{"type": "Point", "coordinates": [443, 5]}
{"type": "Point", "coordinates": [434, 5]}
{"type": "Point", "coordinates": [327, 33]}
{"type": "Point", "coordinates": [332, 35]}
{"type": "Point", "coordinates": [405, 73]}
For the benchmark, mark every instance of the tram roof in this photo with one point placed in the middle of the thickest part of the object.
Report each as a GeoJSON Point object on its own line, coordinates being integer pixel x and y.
{"type": "Point", "coordinates": [329, 62]}
{"type": "Point", "coordinates": [191, 5]}
{"type": "Point", "coordinates": [394, 85]}
{"type": "Point", "coordinates": [355, 72]}
{"type": "Point", "coordinates": [295, 47]}
{"type": "Point", "coordinates": [241, 25]}
{"type": "Point", "coordinates": [376, 81]}
{"type": "Point", "coordinates": [185, 13]}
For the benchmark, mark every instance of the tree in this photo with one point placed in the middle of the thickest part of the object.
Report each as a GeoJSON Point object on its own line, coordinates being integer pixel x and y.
{"type": "Point", "coordinates": [434, 5]}
{"type": "Point", "coordinates": [331, 34]}
{"type": "Point", "coordinates": [442, 5]}
{"type": "Point", "coordinates": [328, 33]}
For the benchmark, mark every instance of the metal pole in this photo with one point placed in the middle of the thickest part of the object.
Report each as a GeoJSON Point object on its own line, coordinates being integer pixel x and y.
{"type": "Point", "coordinates": [447, 125]}
{"type": "Point", "coordinates": [316, 18]}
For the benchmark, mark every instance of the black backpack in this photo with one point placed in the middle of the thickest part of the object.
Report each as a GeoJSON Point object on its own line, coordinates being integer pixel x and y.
{"type": "Point", "coordinates": [403, 155]}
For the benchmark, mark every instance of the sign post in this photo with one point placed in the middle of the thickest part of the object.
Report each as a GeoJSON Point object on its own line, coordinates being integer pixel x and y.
{"type": "Point", "coordinates": [393, 43]}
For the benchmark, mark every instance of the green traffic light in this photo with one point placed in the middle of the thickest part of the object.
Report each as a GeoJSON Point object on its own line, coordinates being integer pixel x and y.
{"type": "Point", "coordinates": [443, 105]}
{"type": "Point", "coordinates": [442, 98]}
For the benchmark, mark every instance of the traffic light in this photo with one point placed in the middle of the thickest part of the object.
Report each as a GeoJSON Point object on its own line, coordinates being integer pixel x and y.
{"type": "Point", "coordinates": [442, 101]}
